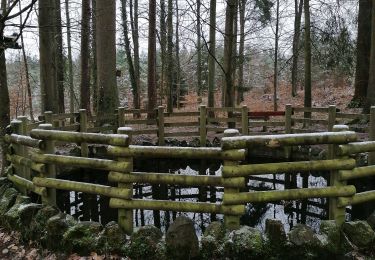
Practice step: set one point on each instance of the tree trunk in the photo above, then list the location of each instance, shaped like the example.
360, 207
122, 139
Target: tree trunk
106, 55
94, 63
59, 57
371, 83
212, 54
170, 57
307, 100
47, 53
296, 40
241, 87
163, 48
363, 53
85, 56
135, 36
199, 50
178, 75
70, 58
27, 76
276, 68
151, 89
127, 48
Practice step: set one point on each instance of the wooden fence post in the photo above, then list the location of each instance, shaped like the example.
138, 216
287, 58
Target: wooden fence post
48, 117
288, 127
231, 222
335, 212
19, 150
160, 122
371, 156
26, 170
203, 125
83, 128
125, 216
121, 117
49, 148
331, 117
245, 120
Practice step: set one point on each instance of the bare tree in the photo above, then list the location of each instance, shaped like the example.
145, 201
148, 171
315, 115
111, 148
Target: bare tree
307, 100
211, 58
152, 59
298, 5
85, 56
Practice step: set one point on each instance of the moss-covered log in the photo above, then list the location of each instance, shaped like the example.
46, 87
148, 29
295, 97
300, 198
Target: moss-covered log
72, 137
358, 198
90, 188
24, 140
183, 180
357, 173
293, 194
272, 141
19, 160
354, 148
29, 185
91, 163
177, 152
288, 167
177, 206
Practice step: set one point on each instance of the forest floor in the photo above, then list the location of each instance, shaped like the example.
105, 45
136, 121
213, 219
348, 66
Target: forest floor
11, 247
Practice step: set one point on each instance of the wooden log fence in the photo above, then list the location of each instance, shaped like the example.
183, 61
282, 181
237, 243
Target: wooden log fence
43, 161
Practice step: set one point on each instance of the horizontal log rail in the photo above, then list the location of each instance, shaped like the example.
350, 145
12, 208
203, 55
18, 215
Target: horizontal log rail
178, 206
72, 137
89, 188
174, 179
19, 160
274, 141
288, 167
24, 140
29, 185
292, 194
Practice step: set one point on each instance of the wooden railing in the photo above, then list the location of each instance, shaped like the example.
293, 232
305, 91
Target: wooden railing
33, 169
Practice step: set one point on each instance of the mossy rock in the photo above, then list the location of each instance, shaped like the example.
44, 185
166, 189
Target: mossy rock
181, 239
359, 233
248, 242
12, 216
144, 243
303, 242
330, 237
82, 238
7, 200
55, 228
212, 241
37, 226
111, 239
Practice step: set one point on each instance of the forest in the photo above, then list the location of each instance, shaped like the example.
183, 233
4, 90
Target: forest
99, 55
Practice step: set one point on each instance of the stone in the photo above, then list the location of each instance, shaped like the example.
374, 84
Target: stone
359, 233
111, 239
11, 217
37, 227
212, 241
247, 241
56, 226
144, 242
302, 235
7, 200
216, 229
371, 220
82, 238
275, 231
182, 241
329, 237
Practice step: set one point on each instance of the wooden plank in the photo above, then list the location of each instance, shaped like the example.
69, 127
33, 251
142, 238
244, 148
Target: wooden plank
181, 134
181, 124
74, 127
265, 123
145, 132
140, 121
181, 114
223, 120
310, 121
310, 109
100, 129
353, 116
224, 109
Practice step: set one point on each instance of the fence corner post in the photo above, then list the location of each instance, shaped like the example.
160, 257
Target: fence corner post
48, 117
49, 148
121, 117
83, 128
203, 125
160, 122
331, 117
245, 120
125, 216
371, 157
335, 212
231, 222
288, 127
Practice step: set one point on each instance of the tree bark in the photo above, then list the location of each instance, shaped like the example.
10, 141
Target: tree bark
170, 57
94, 63
47, 53
85, 56
70, 59
106, 55
371, 83
212, 54
178, 75
296, 41
163, 49
151, 78
276, 67
307, 100
363, 53
199, 50
135, 36
241, 87
59, 57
